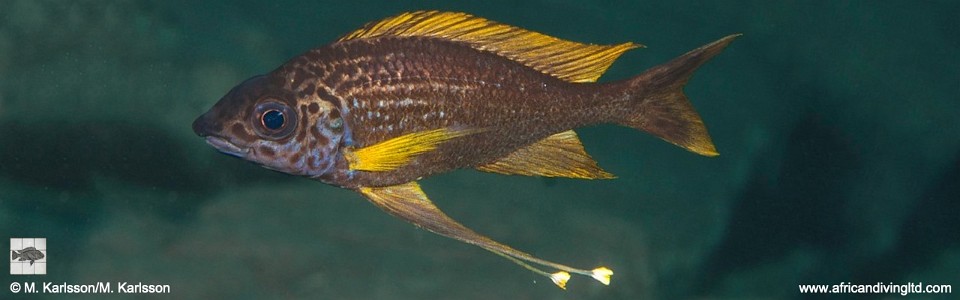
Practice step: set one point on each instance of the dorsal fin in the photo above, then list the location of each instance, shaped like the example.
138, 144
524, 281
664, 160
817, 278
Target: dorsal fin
566, 60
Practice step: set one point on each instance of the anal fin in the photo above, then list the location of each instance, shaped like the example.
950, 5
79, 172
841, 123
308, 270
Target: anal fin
408, 202
559, 155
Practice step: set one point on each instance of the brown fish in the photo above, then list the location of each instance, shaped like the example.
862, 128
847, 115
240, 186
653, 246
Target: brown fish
428, 92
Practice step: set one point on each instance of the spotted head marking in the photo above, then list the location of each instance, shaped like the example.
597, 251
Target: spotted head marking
264, 122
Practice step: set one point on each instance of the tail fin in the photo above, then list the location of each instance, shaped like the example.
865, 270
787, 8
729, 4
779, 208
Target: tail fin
13, 255
664, 111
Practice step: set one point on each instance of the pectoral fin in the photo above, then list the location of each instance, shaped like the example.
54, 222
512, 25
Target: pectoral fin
559, 155
396, 152
407, 201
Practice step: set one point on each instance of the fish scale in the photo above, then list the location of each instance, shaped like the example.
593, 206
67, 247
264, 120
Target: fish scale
468, 86
424, 93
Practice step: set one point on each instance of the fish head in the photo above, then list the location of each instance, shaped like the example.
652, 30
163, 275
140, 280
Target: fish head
263, 122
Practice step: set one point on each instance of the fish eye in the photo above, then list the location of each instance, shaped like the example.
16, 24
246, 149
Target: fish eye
274, 120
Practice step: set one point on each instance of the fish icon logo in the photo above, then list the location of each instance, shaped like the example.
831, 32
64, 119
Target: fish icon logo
28, 253
28, 256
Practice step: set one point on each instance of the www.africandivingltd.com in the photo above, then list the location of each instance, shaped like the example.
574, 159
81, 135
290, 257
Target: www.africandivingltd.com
876, 288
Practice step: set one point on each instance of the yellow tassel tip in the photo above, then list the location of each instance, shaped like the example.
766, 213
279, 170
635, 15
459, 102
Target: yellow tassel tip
560, 279
602, 274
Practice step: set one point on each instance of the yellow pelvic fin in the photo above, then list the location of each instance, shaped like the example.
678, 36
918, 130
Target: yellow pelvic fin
396, 152
559, 155
408, 202
566, 60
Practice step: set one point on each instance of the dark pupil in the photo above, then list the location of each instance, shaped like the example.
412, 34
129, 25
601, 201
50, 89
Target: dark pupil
273, 119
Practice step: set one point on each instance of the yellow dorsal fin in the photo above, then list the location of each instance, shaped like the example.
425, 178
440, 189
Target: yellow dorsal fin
396, 152
566, 60
559, 155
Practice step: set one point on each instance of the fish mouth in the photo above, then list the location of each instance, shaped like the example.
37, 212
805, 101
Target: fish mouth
227, 147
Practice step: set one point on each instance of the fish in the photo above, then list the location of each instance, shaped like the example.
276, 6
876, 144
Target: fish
428, 92
28, 253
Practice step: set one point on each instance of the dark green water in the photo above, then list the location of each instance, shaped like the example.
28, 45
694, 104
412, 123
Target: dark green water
836, 122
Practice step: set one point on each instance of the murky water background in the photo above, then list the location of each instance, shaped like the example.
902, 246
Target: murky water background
836, 123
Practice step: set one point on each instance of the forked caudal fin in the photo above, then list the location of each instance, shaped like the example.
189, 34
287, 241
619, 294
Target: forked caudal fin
664, 111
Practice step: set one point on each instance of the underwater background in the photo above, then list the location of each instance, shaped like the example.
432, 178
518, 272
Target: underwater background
837, 124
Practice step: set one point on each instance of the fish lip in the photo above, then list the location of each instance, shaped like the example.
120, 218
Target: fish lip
227, 147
